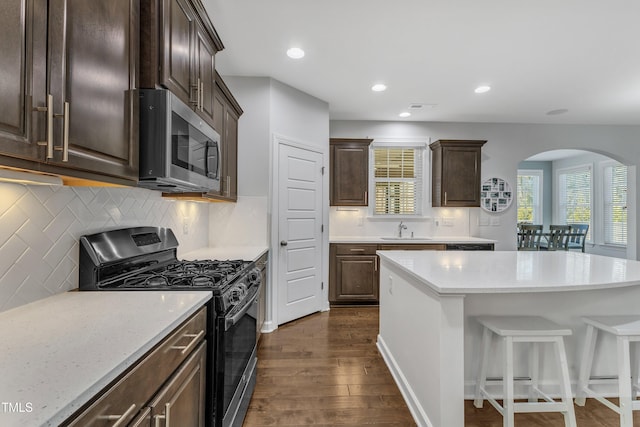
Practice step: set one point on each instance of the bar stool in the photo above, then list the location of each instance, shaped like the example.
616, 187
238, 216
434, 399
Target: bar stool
535, 331
626, 329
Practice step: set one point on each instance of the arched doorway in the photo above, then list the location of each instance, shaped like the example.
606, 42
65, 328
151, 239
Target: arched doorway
578, 186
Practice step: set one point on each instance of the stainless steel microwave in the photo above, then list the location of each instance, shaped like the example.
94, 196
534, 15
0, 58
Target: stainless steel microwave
179, 151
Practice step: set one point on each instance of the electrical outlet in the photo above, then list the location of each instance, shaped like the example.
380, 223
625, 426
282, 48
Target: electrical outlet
360, 221
447, 222
185, 226
495, 221
483, 221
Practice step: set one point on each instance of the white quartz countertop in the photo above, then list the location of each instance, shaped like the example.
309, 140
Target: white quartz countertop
247, 253
58, 352
417, 239
467, 272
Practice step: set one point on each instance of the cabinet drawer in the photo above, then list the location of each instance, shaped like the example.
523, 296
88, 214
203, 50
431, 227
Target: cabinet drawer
356, 249
118, 403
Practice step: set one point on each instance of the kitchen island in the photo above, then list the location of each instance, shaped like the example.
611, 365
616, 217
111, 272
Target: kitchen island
428, 301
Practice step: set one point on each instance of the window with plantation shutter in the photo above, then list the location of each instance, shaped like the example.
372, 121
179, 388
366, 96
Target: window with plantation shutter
615, 204
397, 176
575, 196
530, 196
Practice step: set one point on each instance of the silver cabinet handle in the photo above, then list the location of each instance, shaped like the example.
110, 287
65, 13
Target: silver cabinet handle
201, 90
445, 198
228, 186
186, 348
356, 250
65, 133
165, 417
119, 419
284, 243
48, 142
65, 130
376, 264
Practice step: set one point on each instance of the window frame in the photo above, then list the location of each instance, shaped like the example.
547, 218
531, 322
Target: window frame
538, 210
417, 144
561, 219
606, 191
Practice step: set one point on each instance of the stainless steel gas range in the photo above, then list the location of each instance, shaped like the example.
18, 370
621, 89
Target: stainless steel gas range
145, 258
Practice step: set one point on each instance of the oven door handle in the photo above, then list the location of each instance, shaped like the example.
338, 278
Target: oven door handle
230, 321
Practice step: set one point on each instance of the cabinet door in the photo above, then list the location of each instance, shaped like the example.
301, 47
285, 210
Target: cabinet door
22, 67
178, 18
460, 176
181, 401
230, 154
356, 278
349, 167
93, 54
205, 70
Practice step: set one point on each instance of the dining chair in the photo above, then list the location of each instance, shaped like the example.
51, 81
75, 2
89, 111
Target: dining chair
557, 238
577, 236
529, 237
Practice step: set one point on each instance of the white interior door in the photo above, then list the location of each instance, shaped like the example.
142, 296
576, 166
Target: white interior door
300, 233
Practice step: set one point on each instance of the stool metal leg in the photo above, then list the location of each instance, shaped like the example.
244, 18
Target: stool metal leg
481, 380
624, 382
586, 364
565, 383
534, 367
508, 416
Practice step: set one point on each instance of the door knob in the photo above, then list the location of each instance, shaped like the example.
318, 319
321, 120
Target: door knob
284, 243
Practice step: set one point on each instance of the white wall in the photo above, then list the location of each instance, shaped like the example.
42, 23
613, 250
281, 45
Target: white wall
40, 227
271, 109
507, 145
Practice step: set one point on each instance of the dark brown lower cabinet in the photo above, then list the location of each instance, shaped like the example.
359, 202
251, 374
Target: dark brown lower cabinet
354, 276
166, 387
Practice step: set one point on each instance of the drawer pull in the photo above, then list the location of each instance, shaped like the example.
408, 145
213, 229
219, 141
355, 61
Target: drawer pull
165, 417
120, 419
186, 348
356, 250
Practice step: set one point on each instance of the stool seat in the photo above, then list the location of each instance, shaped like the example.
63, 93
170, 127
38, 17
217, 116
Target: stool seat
522, 326
626, 330
618, 325
534, 331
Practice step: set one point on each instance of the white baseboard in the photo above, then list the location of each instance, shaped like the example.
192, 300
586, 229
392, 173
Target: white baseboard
417, 411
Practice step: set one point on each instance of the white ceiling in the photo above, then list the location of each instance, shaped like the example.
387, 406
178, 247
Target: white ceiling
538, 56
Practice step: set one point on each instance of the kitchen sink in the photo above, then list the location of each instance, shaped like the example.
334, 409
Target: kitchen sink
404, 239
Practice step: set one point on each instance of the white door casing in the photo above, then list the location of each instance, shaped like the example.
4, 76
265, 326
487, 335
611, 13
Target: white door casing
300, 214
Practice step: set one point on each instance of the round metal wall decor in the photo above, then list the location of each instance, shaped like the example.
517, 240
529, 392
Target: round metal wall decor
495, 195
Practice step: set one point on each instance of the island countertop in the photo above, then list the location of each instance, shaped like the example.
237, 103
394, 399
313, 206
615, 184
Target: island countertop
58, 352
454, 272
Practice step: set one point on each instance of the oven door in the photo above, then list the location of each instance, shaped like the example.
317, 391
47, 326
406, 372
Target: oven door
235, 369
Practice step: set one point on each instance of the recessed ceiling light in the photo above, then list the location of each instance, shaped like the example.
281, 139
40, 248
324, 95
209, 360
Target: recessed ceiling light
556, 112
378, 87
404, 114
482, 89
295, 53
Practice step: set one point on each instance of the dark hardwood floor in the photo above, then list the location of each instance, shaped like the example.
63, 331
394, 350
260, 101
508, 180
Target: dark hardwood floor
325, 370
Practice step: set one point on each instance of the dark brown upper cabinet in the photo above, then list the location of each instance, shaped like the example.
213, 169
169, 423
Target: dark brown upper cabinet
227, 112
455, 178
68, 69
349, 171
178, 47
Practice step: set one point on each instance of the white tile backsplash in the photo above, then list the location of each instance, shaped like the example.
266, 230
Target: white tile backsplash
40, 227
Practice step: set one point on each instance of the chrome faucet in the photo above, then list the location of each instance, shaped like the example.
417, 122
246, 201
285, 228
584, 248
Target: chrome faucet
401, 227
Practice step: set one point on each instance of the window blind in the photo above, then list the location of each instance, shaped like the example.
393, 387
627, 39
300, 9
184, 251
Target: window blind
397, 174
574, 196
615, 204
529, 196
